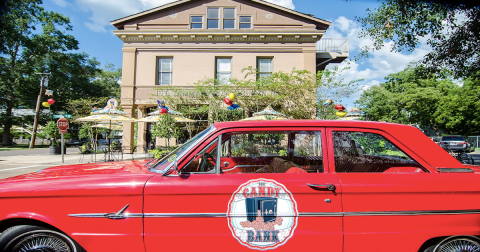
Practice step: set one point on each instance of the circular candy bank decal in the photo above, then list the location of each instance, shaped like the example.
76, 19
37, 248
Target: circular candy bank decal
262, 214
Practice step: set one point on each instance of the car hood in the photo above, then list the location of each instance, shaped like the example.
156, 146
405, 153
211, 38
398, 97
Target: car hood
127, 178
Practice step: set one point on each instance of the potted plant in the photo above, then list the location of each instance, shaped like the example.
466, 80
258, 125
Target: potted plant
51, 131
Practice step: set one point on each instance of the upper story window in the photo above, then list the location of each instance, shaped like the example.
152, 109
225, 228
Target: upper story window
165, 71
196, 22
212, 18
223, 70
264, 66
245, 22
228, 18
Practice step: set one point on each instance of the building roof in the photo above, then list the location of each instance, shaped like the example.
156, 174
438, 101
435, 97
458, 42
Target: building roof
180, 2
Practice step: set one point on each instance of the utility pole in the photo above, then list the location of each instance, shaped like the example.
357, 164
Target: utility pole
43, 82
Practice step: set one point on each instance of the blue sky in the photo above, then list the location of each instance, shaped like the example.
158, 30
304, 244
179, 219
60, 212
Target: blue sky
91, 27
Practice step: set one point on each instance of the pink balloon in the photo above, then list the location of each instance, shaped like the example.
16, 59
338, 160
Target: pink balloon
51, 101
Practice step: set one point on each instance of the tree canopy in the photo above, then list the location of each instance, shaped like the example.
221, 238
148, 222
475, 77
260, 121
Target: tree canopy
452, 29
295, 94
34, 40
413, 96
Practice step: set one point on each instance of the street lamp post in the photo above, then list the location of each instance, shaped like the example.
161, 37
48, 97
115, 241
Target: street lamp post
43, 82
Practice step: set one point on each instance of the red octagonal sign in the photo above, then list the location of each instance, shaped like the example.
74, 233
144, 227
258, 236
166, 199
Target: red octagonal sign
62, 124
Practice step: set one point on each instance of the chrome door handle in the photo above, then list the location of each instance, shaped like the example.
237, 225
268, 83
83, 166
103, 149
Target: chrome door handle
323, 187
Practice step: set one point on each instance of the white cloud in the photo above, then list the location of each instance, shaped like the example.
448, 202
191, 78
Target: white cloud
380, 64
285, 3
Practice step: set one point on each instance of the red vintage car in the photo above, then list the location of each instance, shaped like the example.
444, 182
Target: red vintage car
242, 186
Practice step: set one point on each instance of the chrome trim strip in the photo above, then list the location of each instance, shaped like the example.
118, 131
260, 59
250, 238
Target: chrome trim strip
216, 215
411, 213
305, 214
104, 215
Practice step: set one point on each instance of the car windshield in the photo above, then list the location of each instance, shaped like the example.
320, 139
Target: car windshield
453, 138
165, 162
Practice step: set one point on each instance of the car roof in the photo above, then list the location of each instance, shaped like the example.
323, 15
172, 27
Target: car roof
411, 137
314, 123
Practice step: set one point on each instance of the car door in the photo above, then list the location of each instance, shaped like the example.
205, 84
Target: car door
283, 206
391, 201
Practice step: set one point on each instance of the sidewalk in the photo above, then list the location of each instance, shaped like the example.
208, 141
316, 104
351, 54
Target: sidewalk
26, 161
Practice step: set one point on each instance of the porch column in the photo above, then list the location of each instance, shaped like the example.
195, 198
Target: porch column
128, 129
141, 133
128, 96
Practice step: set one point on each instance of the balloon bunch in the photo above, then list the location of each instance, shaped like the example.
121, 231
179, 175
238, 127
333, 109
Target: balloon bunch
49, 102
94, 109
229, 101
341, 110
162, 108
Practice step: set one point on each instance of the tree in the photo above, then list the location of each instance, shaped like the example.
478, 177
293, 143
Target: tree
107, 80
166, 127
331, 85
415, 96
25, 50
404, 22
293, 94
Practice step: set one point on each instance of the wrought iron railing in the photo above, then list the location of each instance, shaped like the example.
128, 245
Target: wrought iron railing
337, 45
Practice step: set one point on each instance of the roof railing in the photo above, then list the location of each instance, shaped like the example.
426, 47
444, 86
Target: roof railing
337, 45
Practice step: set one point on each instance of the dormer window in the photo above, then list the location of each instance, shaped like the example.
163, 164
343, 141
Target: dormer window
212, 18
196, 22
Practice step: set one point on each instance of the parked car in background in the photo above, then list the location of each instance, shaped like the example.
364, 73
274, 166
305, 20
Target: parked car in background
336, 186
454, 143
75, 142
471, 146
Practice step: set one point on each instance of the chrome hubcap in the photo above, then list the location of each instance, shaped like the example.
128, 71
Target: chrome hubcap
459, 245
42, 243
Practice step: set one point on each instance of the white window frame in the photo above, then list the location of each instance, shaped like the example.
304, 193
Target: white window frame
224, 72
218, 18
234, 17
240, 22
191, 22
258, 65
159, 71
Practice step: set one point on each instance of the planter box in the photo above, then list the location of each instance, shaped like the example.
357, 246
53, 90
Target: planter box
57, 150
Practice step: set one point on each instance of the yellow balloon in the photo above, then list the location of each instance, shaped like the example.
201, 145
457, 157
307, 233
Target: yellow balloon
46, 104
341, 113
231, 96
91, 113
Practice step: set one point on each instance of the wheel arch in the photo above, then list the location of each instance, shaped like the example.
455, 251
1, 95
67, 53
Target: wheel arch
7, 223
441, 239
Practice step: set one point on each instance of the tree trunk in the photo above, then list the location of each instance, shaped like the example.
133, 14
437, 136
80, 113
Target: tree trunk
7, 137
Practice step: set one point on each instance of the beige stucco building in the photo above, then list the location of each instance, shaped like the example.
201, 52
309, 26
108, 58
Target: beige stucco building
185, 41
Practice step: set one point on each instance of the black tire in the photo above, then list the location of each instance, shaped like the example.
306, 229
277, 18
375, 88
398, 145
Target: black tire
457, 244
464, 158
35, 238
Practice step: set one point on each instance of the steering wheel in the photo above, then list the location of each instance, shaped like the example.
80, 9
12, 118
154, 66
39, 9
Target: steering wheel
205, 160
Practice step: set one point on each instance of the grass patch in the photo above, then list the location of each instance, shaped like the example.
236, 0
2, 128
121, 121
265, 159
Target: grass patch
20, 147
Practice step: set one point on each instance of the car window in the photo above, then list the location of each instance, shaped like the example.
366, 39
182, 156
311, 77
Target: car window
369, 152
453, 138
263, 152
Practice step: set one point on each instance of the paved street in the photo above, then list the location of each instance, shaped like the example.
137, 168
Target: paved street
13, 163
